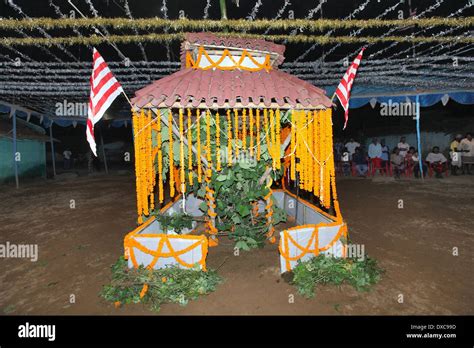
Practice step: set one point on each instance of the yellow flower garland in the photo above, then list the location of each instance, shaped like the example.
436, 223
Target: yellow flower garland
251, 131
208, 137
229, 139
160, 159
278, 138
293, 146
149, 158
244, 129
143, 134
182, 176
316, 167
190, 150
271, 146
236, 132
218, 143
136, 144
171, 162
257, 128
198, 145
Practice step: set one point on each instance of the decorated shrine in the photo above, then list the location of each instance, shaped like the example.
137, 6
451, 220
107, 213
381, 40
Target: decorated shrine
230, 107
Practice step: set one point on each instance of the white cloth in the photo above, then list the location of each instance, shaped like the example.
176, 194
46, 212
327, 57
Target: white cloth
375, 150
435, 157
403, 147
467, 145
351, 146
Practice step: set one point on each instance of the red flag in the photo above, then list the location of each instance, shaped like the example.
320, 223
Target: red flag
343, 91
104, 89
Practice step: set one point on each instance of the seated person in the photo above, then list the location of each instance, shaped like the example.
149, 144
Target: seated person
416, 165
409, 162
375, 154
409, 156
397, 162
360, 161
403, 147
437, 161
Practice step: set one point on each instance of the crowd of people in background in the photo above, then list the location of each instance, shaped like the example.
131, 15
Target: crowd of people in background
351, 156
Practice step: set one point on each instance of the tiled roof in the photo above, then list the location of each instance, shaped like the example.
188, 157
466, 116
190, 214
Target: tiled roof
220, 88
215, 88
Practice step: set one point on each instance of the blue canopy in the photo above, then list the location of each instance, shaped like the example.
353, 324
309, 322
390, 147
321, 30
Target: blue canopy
360, 96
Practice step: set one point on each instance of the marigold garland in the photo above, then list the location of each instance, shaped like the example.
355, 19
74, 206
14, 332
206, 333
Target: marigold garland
269, 214
267, 133
251, 122
244, 129
190, 149
293, 146
136, 145
143, 133
171, 161
229, 139
236, 132
182, 176
311, 159
160, 158
272, 140
198, 145
278, 138
218, 143
149, 154
317, 152
257, 127
208, 138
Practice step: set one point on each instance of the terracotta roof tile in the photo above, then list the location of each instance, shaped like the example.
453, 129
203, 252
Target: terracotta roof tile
219, 88
215, 88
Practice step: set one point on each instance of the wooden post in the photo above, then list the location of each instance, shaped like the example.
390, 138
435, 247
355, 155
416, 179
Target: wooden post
53, 157
103, 152
223, 7
15, 162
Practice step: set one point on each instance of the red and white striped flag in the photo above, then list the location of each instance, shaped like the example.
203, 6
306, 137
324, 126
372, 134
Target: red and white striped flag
104, 89
343, 91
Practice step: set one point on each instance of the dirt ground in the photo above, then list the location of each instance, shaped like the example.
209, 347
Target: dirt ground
77, 246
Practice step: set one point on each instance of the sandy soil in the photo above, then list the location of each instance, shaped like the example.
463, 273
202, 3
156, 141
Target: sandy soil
77, 246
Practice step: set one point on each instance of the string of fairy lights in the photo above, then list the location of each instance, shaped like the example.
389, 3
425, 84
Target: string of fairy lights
434, 55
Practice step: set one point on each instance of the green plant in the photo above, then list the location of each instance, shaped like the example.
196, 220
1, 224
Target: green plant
176, 222
167, 285
237, 190
330, 270
237, 187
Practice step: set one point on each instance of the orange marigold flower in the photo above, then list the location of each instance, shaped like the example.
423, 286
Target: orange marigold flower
144, 290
